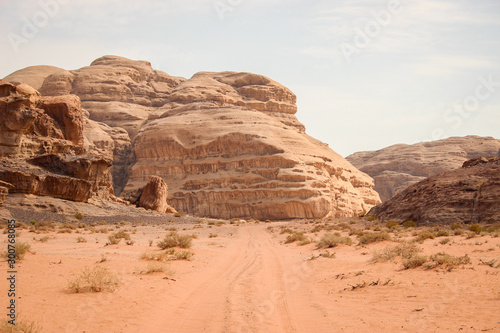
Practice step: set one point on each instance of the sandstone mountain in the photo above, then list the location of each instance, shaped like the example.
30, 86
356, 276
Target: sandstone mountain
470, 194
396, 167
42, 148
227, 144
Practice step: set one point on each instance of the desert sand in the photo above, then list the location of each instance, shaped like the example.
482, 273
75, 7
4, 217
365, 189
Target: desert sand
244, 277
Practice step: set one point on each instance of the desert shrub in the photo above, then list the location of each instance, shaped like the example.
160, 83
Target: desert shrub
79, 216
286, 231
155, 267
20, 249
493, 228
67, 225
332, 240
455, 226
175, 240
405, 250
44, 226
20, 326
372, 237
458, 232
449, 261
184, 255
414, 261
212, 235
444, 241
21, 225
317, 228
118, 236
372, 217
305, 241
391, 224
440, 232
97, 279
425, 234
356, 232
81, 225
44, 239
65, 231
81, 240
409, 224
475, 228
296, 236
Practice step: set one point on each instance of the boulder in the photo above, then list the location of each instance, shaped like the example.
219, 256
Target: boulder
470, 194
154, 196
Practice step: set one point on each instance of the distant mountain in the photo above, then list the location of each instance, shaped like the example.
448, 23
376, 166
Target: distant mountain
396, 167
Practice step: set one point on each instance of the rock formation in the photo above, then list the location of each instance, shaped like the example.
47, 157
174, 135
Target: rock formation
4, 191
470, 194
227, 144
154, 196
42, 146
397, 167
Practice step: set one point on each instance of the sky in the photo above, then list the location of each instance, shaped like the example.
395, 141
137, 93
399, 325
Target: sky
367, 73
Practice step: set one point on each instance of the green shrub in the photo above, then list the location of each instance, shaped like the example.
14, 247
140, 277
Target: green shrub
391, 224
409, 224
79, 216
372, 237
475, 228
332, 240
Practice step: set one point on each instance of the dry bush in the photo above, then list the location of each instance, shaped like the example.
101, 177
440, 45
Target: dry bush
41, 227
79, 216
184, 255
449, 261
391, 224
294, 237
97, 279
332, 240
372, 237
286, 231
20, 249
155, 267
20, 326
425, 234
44, 239
405, 250
81, 240
444, 241
118, 236
414, 261
175, 240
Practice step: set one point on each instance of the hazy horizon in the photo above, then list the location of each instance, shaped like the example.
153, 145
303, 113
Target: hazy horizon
367, 74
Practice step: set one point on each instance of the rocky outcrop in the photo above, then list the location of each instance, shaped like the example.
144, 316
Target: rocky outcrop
397, 167
42, 146
154, 196
227, 144
470, 194
4, 191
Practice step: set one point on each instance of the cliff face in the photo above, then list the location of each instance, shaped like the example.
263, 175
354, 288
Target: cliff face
227, 144
42, 147
470, 194
397, 167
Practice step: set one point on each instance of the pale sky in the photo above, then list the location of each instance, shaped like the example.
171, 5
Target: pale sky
367, 73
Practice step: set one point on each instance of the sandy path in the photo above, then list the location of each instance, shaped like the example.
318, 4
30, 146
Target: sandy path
256, 285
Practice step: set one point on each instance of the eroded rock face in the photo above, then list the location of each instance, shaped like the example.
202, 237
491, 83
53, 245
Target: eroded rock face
4, 191
470, 194
41, 146
397, 167
227, 144
154, 196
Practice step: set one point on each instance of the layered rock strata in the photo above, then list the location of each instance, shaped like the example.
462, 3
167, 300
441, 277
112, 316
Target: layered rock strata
470, 194
397, 167
227, 144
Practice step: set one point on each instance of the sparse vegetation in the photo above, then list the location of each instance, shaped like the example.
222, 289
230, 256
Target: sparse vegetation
425, 234
476, 228
332, 240
409, 224
20, 249
448, 261
97, 279
405, 250
174, 239
294, 237
118, 236
21, 326
81, 240
414, 261
372, 237
391, 224
79, 216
